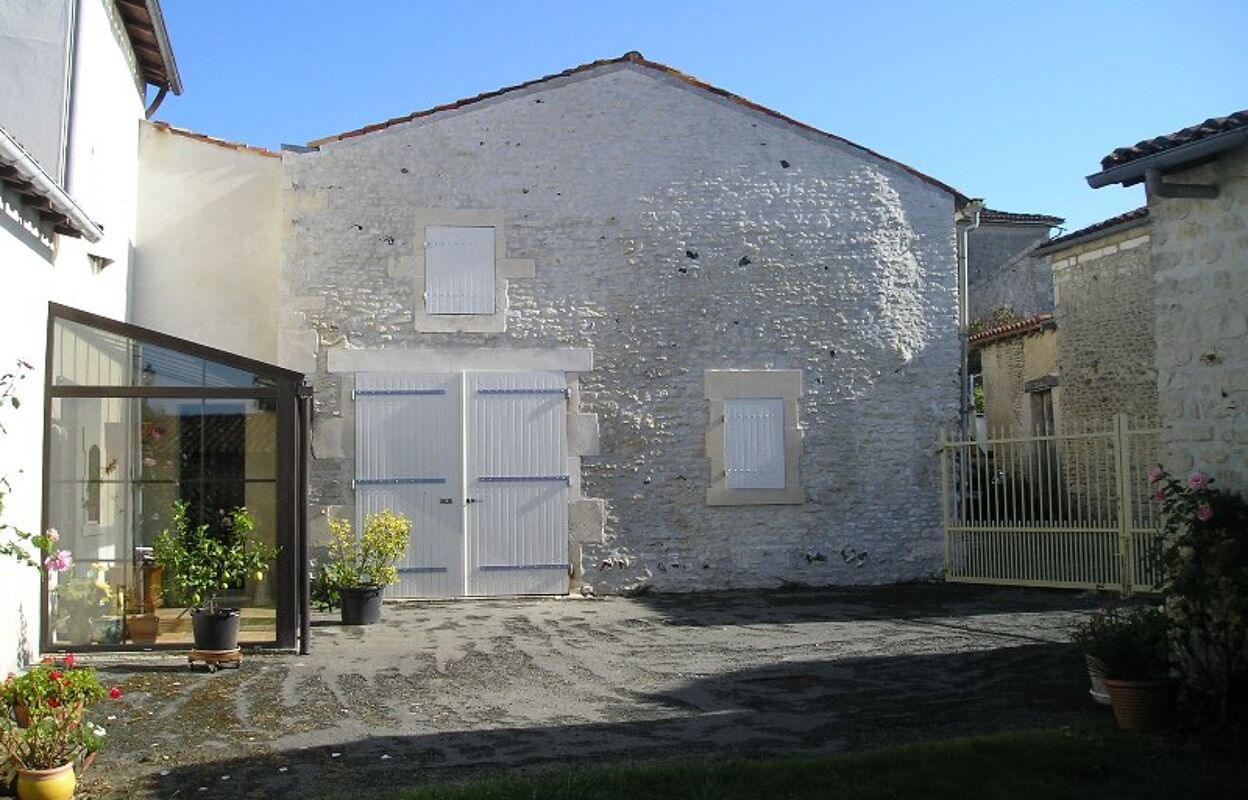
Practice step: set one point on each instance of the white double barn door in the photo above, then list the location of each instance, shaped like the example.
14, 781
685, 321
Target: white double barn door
478, 462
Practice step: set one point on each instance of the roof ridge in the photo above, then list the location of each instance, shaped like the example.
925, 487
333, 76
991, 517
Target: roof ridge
213, 140
635, 57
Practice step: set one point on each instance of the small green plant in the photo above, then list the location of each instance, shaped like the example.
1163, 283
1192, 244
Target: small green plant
325, 592
370, 559
1131, 642
202, 564
994, 319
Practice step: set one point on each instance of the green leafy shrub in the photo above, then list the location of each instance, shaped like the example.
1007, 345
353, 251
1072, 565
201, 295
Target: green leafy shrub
1204, 554
1131, 642
202, 564
370, 559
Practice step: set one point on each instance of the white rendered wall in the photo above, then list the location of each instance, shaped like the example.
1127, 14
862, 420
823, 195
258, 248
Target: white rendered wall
833, 262
41, 268
208, 240
34, 60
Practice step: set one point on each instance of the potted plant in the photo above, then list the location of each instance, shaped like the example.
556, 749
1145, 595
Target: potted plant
1088, 634
203, 563
1132, 645
88, 608
362, 567
54, 735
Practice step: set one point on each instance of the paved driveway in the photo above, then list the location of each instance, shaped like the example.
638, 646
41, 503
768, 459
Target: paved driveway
440, 691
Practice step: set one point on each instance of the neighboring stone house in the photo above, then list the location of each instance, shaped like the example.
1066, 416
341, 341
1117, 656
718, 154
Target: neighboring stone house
753, 323
1196, 182
1005, 273
1019, 374
1090, 358
1103, 293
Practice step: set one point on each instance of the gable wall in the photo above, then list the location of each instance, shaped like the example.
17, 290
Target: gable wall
606, 183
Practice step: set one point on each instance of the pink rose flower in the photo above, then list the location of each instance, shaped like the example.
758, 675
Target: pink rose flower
1159, 495
53, 535
1155, 474
60, 562
1204, 513
1197, 481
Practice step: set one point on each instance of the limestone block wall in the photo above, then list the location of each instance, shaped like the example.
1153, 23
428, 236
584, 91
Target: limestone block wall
1200, 262
671, 231
1105, 329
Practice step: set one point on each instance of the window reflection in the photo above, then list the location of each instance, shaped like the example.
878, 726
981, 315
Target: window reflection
116, 466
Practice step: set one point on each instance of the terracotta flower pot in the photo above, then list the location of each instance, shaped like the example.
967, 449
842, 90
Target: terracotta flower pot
143, 628
1142, 705
47, 784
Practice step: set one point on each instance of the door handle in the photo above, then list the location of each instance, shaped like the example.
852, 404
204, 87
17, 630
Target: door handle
446, 501
470, 500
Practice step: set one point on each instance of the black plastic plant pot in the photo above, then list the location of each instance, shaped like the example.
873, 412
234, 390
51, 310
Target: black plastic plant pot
215, 630
361, 605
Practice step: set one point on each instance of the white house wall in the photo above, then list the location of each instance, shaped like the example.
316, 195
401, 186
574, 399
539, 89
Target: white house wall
208, 211
672, 232
41, 267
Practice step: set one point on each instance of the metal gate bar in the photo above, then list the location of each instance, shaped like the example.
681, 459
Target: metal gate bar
1068, 510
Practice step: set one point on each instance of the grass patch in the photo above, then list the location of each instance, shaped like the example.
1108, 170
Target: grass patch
1075, 763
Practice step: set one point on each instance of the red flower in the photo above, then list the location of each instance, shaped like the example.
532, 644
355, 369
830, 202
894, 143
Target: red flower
70, 660
54, 675
54, 702
115, 692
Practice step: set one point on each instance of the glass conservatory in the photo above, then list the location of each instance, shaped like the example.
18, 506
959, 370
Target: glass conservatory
137, 422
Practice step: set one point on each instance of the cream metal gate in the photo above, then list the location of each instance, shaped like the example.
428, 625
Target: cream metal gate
478, 462
1068, 510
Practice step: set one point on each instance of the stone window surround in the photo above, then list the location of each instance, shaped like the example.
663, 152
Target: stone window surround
505, 269
732, 384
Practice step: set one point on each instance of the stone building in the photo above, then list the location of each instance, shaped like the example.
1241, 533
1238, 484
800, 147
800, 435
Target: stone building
751, 324
1019, 374
1196, 182
1005, 271
1103, 318
1091, 357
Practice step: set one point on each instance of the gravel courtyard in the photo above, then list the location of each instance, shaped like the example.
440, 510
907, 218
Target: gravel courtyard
443, 691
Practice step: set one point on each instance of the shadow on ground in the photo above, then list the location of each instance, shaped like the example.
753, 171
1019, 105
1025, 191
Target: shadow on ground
804, 708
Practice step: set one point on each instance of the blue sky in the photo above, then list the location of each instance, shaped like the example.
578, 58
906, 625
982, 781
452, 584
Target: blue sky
1011, 101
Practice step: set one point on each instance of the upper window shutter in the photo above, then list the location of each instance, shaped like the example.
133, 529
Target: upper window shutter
459, 270
754, 443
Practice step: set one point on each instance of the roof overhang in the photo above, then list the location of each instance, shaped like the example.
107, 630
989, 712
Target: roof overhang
145, 27
19, 171
1133, 172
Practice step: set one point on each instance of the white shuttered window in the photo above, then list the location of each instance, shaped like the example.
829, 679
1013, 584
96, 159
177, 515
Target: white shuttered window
459, 270
754, 443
